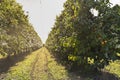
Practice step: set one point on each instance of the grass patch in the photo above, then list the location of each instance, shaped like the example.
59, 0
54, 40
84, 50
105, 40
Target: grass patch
1, 56
114, 68
21, 70
56, 70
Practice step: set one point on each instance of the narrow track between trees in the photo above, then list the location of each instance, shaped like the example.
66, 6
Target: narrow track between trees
45, 67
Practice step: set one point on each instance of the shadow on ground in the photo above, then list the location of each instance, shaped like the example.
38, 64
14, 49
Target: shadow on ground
6, 63
100, 76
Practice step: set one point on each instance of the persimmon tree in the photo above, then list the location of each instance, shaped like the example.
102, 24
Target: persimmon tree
82, 39
17, 35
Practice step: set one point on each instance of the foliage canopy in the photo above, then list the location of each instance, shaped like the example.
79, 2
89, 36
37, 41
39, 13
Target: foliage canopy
79, 38
16, 33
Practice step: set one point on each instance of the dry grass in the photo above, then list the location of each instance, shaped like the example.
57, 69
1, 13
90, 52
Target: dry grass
47, 68
21, 70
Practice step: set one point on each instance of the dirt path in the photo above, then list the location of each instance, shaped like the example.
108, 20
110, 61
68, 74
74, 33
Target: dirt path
46, 68
40, 69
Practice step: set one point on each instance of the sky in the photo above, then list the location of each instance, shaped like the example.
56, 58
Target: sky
42, 14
